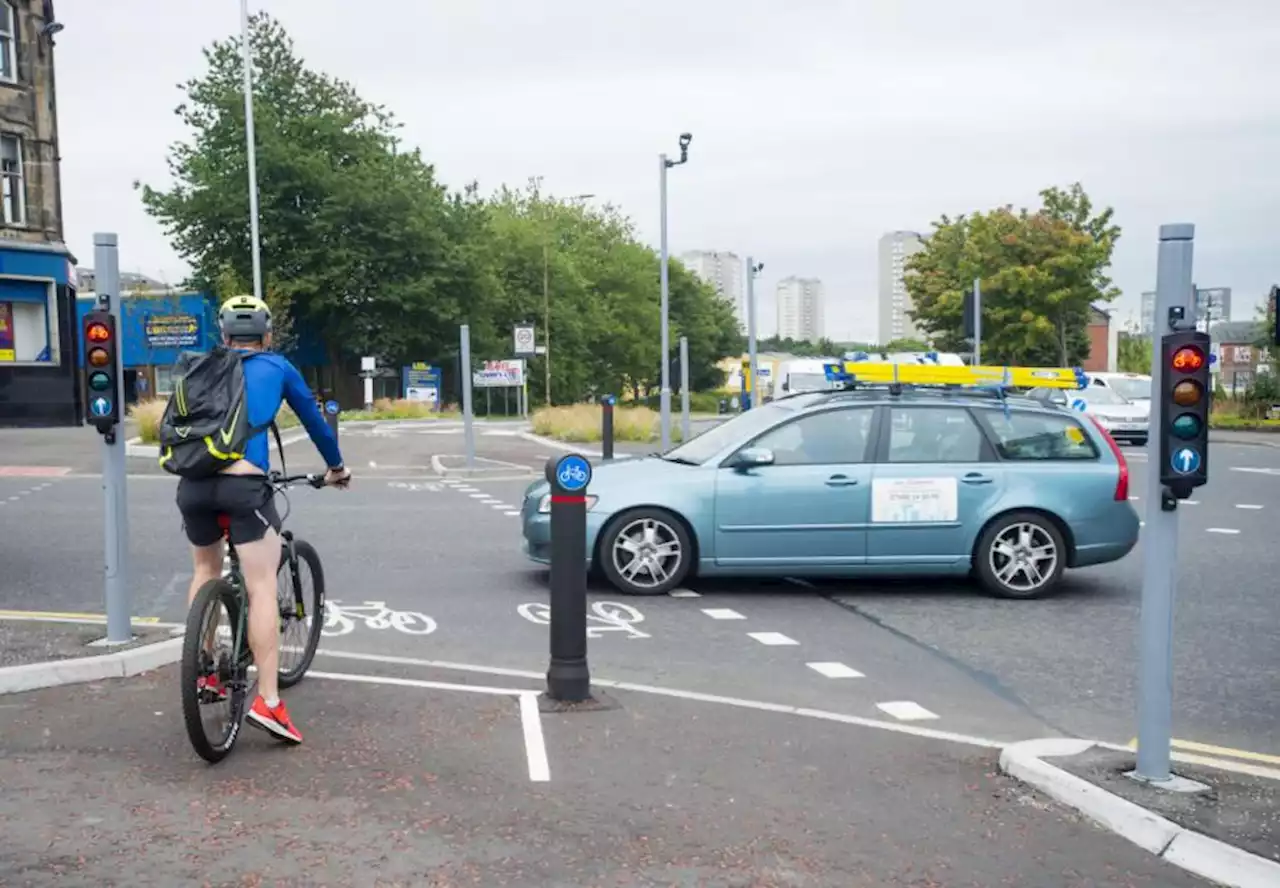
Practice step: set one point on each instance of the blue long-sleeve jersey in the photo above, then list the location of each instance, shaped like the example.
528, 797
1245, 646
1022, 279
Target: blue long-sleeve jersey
271, 380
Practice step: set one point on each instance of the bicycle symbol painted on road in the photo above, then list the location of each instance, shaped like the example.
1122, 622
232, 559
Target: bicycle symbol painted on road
341, 620
606, 616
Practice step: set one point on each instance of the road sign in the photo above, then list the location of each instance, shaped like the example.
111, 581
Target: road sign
1186, 461
368, 363
525, 339
573, 472
499, 374
1080, 404
100, 407
331, 408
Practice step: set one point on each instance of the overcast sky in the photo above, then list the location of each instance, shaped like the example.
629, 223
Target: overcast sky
818, 124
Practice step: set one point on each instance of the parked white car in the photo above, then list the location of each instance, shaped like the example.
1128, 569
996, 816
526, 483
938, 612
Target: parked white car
1127, 421
1134, 387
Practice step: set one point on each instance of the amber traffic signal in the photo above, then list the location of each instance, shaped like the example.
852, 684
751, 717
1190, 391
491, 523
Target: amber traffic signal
101, 380
1186, 391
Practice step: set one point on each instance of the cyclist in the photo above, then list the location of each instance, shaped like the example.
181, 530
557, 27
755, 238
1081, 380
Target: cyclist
242, 492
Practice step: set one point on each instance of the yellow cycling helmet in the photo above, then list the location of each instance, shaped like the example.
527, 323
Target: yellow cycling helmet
245, 316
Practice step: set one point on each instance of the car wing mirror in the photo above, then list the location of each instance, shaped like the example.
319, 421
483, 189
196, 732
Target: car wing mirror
753, 457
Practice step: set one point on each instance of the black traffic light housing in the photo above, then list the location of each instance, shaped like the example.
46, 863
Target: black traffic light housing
1186, 394
970, 316
101, 373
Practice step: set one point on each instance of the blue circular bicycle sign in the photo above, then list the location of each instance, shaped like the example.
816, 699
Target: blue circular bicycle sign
573, 472
331, 407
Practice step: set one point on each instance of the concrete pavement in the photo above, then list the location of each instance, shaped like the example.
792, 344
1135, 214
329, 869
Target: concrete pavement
434, 779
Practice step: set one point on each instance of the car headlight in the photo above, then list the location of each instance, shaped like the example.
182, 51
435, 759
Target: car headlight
544, 504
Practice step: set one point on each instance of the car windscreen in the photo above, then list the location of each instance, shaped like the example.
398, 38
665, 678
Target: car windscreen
1097, 395
1133, 389
743, 427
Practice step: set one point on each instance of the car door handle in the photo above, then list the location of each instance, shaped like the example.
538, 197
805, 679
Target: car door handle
841, 481
976, 478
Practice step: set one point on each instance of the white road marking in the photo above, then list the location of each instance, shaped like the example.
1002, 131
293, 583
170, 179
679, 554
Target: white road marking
1191, 502
501, 507
535, 745
684, 593
835, 670
1220, 530
1256, 471
772, 638
1247, 506
722, 613
512, 513
479, 495
675, 693
906, 710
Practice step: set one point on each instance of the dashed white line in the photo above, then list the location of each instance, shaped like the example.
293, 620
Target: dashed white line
772, 638
501, 507
1191, 502
835, 670
514, 513
1220, 530
480, 496
684, 593
905, 710
1247, 506
722, 613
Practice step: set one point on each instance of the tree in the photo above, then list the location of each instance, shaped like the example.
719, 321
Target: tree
1040, 273
1133, 353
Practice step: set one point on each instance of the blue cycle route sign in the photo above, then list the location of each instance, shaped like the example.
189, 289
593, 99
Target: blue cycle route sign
100, 407
1080, 404
1185, 461
573, 472
331, 408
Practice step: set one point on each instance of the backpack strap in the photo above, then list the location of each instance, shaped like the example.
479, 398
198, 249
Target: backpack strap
275, 431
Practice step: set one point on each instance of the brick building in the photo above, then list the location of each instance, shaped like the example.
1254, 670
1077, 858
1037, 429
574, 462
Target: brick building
1102, 342
1236, 344
39, 379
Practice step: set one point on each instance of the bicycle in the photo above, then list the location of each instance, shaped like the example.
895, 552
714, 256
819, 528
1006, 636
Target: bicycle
231, 667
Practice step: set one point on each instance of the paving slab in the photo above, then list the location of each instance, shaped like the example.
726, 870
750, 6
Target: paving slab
419, 784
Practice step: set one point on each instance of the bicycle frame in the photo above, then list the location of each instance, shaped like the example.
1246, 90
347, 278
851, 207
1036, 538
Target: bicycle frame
241, 653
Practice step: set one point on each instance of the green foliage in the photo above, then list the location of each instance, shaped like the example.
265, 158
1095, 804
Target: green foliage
1133, 353
366, 250
1040, 272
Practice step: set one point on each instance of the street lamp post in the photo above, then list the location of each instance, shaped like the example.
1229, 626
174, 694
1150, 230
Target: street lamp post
665, 164
251, 148
546, 304
753, 269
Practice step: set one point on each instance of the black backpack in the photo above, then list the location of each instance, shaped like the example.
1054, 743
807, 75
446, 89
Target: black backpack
205, 426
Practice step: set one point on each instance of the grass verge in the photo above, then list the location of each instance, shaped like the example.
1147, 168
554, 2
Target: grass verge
581, 423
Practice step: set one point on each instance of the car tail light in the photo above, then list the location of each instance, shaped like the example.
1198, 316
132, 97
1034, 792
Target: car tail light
1122, 483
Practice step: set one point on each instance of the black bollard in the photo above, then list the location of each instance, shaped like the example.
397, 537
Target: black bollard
606, 426
568, 679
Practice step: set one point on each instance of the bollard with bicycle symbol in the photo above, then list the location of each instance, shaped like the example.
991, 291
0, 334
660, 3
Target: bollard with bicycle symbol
568, 678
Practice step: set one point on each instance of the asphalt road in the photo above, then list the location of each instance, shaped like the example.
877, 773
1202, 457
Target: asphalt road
402, 782
419, 536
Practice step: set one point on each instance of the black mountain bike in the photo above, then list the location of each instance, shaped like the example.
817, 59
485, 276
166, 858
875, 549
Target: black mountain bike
223, 655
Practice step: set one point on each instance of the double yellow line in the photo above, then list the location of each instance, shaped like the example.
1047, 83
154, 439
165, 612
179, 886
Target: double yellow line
1263, 764
65, 617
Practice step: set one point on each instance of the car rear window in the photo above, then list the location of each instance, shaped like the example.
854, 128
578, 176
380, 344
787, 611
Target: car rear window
1023, 435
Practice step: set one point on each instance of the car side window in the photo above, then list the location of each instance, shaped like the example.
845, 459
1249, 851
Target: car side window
933, 435
830, 437
1038, 436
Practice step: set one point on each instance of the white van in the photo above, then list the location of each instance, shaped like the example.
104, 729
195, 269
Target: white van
1134, 387
801, 375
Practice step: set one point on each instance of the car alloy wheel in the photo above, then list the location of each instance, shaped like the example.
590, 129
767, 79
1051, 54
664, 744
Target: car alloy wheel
1022, 555
646, 552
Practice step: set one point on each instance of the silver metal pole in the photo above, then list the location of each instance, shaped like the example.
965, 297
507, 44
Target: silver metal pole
977, 321
686, 425
665, 392
106, 264
754, 363
468, 429
1160, 536
251, 149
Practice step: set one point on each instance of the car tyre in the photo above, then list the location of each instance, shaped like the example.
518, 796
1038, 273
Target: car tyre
653, 531
1025, 535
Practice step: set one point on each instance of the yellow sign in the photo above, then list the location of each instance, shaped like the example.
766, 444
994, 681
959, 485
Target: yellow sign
8, 354
936, 374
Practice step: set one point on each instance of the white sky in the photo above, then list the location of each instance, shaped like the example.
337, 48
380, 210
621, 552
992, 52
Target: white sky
818, 124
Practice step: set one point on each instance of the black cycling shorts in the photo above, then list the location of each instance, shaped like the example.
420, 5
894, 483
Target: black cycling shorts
247, 501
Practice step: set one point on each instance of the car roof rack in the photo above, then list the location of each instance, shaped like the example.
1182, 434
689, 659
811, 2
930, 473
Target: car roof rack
983, 381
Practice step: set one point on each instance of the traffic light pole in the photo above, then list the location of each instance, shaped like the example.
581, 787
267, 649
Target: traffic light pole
1160, 536
106, 266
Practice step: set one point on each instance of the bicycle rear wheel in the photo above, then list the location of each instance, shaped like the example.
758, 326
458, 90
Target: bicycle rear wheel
299, 613
199, 664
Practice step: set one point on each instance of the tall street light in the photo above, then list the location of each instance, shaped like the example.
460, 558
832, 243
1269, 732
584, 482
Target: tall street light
251, 148
546, 302
665, 164
753, 270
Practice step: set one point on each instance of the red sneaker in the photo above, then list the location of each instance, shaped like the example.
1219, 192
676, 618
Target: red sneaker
211, 690
274, 721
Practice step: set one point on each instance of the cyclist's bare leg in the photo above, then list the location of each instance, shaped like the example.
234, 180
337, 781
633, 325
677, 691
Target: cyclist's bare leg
259, 562
206, 565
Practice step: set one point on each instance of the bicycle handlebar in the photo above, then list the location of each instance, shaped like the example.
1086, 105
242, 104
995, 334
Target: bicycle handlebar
316, 480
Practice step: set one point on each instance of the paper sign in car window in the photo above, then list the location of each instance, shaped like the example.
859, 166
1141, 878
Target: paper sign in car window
1074, 435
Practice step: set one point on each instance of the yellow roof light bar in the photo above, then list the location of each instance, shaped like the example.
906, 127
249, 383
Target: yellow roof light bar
936, 374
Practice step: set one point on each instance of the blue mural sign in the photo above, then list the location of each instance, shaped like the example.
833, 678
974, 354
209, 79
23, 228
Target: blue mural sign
573, 472
421, 382
171, 330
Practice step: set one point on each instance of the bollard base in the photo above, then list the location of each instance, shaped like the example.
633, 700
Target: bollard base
596, 701
569, 681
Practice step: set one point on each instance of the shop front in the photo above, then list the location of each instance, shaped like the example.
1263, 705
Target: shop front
39, 361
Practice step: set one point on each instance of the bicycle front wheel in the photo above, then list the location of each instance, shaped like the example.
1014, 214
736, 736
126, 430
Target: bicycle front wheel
300, 594
213, 683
